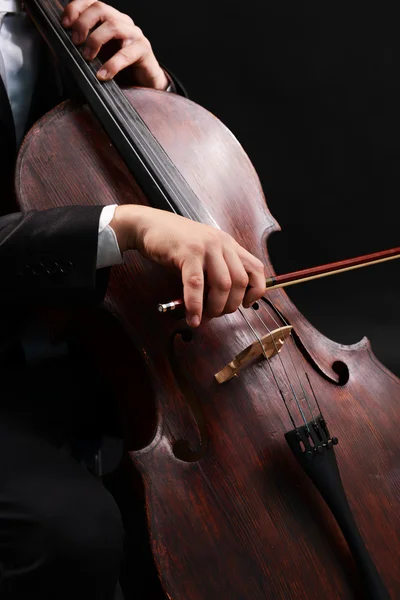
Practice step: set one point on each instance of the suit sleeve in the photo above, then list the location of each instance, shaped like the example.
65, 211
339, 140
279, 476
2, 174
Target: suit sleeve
49, 257
177, 85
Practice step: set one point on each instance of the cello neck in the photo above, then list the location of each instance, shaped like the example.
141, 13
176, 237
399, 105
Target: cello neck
162, 183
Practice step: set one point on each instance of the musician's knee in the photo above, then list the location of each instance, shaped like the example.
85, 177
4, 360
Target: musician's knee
82, 528
69, 534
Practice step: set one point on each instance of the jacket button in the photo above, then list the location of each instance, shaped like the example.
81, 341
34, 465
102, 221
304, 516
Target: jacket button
52, 269
38, 269
26, 271
65, 266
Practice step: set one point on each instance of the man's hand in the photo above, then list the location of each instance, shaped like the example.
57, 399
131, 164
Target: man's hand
93, 24
198, 251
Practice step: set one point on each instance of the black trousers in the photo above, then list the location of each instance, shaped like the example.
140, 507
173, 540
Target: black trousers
61, 532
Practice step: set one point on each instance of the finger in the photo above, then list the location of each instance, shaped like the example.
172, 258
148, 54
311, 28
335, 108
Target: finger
104, 33
240, 281
74, 9
130, 54
90, 17
219, 283
256, 274
193, 290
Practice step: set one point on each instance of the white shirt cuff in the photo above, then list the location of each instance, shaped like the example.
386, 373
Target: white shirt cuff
108, 252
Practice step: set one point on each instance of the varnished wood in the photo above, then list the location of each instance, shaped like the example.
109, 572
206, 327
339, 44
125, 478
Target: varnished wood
230, 516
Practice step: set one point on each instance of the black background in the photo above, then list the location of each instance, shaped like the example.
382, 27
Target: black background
312, 92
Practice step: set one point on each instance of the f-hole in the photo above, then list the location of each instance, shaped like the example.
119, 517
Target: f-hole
339, 367
181, 448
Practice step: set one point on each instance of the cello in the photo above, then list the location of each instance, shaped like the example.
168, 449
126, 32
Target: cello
278, 481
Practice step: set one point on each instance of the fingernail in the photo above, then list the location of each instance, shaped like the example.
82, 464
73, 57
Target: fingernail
87, 52
193, 321
103, 73
65, 21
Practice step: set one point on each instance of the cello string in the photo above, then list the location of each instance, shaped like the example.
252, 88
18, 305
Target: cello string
305, 394
254, 331
306, 397
271, 367
284, 368
272, 371
312, 389
269, 271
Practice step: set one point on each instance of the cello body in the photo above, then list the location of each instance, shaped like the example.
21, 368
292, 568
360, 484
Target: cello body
230, 513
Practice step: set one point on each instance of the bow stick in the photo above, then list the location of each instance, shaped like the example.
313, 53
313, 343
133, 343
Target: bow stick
280, 281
